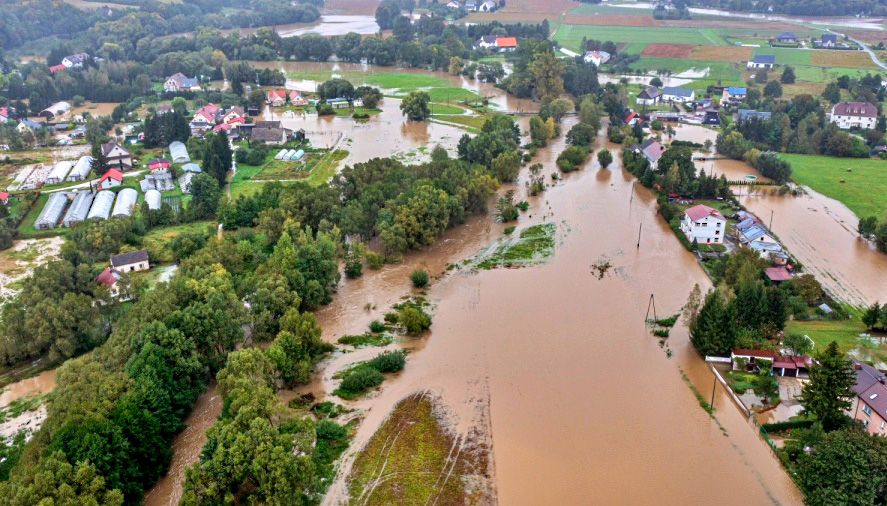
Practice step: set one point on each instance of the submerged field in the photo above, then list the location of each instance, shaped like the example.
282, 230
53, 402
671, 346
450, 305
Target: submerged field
864, 186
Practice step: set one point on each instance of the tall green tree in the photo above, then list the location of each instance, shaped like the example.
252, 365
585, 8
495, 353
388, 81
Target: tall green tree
829, 392
846, 467
713, 331
415, 106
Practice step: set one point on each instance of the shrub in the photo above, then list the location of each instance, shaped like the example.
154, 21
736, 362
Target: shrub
414, 320
360, 115
419, 278
509, 230
374, 260
660, 332
389, 361
377, 326
353, 268
360, 379
523, 205
391, 317
571, 158
330, 431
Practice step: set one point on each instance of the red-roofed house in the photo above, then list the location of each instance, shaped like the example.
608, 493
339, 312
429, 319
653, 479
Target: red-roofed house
297, 99
791, 366
276, 98
204, 118
777, 274
158, 164
110, 179
631, 118
56, 68
704, 225
4, 197
108, 277
4, 114
226, 127
506, 43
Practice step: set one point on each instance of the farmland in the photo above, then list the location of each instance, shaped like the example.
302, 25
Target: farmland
864, 189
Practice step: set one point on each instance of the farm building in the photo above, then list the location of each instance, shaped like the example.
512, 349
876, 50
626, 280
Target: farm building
152, 197
126, 200
179, 152
762, 61
191, 167
56, 109
650, 96
128, 262
101, 205
746, 114
787, 38
52, 211
59, 172
79, 208
81, 169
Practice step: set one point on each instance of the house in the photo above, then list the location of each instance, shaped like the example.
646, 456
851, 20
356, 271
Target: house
632, 118
711, 117
787, 38
117, 155
651, 149
108, 278
704, 225
110, 179
869, 406
777, 274
750, 358
791, 366
4, 114
272, 136
4, 197
338, 103
747, 114
130, 262
734, 94
762, 61
454, 5
829, 40
56, 68
506, 44
487, 6
854, 115
75, 60
650, 96
159, 164
204, 118
470, 5
755, 232
596, 57
485, 42
276, 98
179, 82
27, 124
297, 99
56, 109
680, 95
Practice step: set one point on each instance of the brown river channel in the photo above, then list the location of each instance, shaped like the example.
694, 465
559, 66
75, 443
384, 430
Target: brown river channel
580, 402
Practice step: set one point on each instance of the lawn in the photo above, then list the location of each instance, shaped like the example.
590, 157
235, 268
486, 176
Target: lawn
26, 229
471, 123
445, 109
864, 190
157, 240
844, 332
785, 56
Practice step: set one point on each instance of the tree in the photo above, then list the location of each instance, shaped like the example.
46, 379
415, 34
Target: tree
369, 95
419, 278
559, 107
581, 134
547, 72
217, 156
829, 392
403, 29
713, 331
99, 164
456, 65
773, 89
799, 345
180, 106
205, 196
845, 467
415, 106
871, 315
832, 93
336, 88
656, 82
590, 113
506, 166
604, 157
788, 75
808, 288
760, 76
539, 132
867, 226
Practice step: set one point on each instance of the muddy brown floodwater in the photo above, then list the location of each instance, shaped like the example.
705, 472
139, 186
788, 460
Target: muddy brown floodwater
39, 384
583, 402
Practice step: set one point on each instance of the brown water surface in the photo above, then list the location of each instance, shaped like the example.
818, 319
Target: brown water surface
39, 384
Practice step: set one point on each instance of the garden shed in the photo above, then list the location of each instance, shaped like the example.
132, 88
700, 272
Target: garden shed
79, 208
101, 205
126, 200
52, 211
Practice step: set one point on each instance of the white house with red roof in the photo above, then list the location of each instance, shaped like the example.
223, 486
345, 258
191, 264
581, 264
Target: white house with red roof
596, 57
506, 44
704, 225
4, 197
4, 114
276, 98
297, 99
110, 179
204, 118
854, 115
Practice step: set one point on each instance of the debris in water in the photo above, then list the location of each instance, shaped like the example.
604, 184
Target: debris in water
600, 268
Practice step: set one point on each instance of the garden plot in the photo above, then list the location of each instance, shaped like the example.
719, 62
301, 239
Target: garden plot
532, 246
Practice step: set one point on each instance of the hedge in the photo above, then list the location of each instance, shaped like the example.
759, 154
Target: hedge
791, 424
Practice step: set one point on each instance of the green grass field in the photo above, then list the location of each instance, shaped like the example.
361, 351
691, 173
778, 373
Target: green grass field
611, 10
844, 332
570, 36
864, 190
634, 47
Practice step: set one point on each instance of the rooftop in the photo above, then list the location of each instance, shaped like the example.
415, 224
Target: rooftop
129, 258
777, 274
700, 211
764, 58
677, 92
861, 109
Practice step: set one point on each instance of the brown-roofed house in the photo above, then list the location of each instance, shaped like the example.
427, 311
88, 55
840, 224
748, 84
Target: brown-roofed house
130, 262
869, 407
273, 136
849, 115
118, 156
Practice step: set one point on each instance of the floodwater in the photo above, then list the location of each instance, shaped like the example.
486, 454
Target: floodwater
582, 399
733, 170
335, 25
186, 449
388, 132
39, 384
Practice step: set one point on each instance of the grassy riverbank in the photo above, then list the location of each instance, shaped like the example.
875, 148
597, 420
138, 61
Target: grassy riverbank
863, 190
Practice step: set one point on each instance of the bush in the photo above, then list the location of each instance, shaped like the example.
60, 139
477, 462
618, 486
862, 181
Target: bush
414, 320
374, 260
392, 317
419, 278
325, 110
360, 379
353, 268
389, 361
509, 230
377, 326
523, 205
790, 424
571, 158
331, 431
660, 332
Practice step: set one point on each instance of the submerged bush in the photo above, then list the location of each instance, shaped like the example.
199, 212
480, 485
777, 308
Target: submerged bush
361, 379
389, 361
419, 278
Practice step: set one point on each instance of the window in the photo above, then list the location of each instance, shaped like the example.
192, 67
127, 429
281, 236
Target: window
718, 224
865, 423
717, 232
867, 410
883, 424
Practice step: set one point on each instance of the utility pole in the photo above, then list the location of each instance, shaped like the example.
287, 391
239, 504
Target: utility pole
713, 385
639, 235
650, 304
771, 220
631, 199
